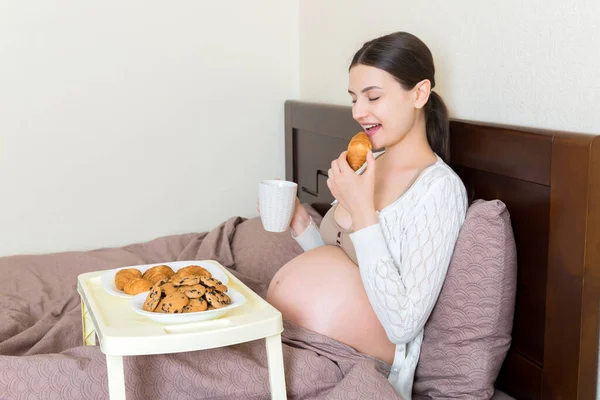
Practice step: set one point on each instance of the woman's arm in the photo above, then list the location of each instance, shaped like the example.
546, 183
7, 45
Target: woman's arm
304, 229
403, 295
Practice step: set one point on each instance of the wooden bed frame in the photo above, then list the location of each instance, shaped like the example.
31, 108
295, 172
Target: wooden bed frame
550, 182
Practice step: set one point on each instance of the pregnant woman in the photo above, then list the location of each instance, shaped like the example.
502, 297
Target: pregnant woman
371, 274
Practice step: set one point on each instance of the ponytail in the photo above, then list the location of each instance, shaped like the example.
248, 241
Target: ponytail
437, 126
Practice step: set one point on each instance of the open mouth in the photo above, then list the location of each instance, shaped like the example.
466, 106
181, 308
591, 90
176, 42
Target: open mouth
372, 129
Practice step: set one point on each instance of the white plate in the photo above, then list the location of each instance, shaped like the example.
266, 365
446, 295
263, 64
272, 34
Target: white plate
137, 303
108, 278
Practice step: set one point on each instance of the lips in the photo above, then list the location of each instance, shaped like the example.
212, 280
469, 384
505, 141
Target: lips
371, 130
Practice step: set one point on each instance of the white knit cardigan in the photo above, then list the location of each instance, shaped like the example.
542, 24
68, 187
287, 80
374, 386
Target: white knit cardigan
404, 258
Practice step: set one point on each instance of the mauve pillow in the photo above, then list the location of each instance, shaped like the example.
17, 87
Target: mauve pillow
259, 254
469, 331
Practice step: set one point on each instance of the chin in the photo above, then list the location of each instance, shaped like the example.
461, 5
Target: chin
377, 144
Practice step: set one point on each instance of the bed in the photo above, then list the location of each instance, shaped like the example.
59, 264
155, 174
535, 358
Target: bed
549, 181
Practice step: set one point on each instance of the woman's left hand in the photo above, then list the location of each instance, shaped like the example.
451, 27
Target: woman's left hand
356, 193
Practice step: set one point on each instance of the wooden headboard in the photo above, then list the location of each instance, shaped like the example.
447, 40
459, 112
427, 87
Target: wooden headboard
550, 182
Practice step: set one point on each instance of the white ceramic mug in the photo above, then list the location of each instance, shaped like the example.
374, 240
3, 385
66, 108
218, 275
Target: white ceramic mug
277, 200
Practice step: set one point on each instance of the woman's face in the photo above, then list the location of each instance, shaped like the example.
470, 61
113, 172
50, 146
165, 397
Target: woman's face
381, 106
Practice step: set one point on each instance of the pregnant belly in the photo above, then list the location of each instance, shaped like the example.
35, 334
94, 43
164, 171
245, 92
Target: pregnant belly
322, 290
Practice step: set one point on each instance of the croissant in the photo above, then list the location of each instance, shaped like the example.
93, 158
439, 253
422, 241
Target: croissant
125, 275
358, 148
156, 278
164, 269
194, 270
136, 286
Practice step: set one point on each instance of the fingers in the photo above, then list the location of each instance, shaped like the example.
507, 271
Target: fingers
342, 162
330, 186
370, 163
334, 166
297, 205
340, 165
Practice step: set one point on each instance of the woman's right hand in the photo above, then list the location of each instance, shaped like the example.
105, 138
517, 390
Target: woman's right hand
300, 219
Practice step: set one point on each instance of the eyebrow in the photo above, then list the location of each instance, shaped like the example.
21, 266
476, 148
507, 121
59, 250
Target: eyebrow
365, 89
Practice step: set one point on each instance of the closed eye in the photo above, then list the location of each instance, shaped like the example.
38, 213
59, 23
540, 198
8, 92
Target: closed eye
370, 99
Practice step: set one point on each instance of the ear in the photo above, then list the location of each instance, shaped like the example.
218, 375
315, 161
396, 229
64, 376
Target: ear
422, 91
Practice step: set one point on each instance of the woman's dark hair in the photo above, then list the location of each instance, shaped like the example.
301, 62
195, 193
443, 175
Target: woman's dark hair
409, 60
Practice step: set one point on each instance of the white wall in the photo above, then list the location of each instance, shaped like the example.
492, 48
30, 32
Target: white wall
117, 116
121, 121
533, 63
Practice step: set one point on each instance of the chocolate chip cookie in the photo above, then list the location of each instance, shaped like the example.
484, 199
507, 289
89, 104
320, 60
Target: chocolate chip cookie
168, 288
153, 298
193, 292
218, 299
185, 280
174, 303
213, 283
196, 305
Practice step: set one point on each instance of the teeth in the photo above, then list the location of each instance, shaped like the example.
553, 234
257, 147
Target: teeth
369, 126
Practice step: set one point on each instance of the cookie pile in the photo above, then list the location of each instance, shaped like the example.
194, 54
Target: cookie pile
191, 289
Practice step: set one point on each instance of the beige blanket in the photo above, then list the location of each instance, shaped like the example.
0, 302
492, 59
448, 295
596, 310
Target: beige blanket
42, 357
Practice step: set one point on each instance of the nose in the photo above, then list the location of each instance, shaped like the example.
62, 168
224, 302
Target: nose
359, 110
